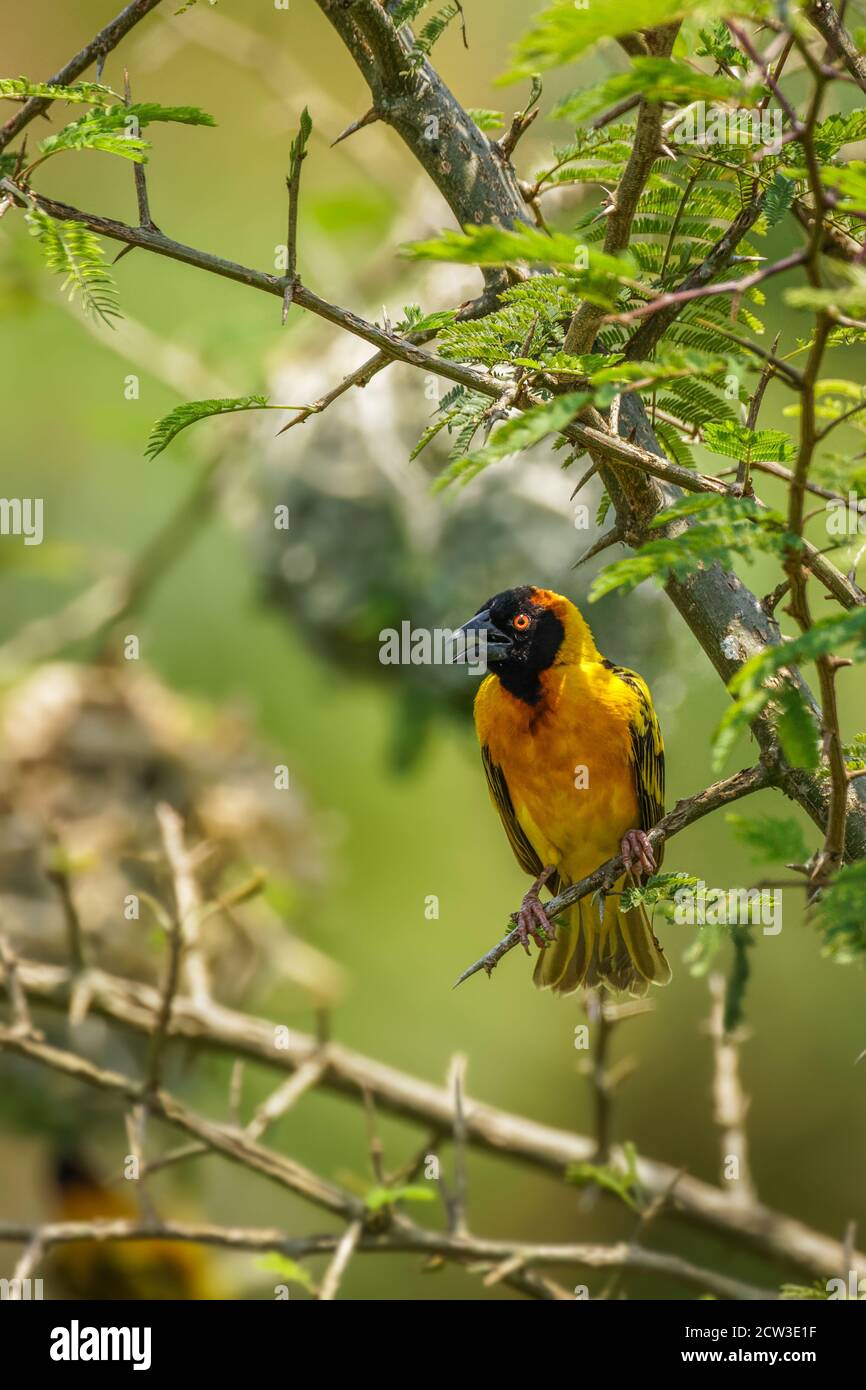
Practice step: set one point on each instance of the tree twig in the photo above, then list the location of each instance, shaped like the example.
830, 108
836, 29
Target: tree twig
135, 1006
412, 1240
731, 1105
93, 52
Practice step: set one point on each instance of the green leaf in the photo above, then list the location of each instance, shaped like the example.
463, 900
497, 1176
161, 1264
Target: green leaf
431, 432
855, 752
797, 730
415, 321
658, 889
676, 448
623, 1183
92, 133
521, 432
605, 502
379, 1197
748, 446
768, 837
700, 956
727, 527
718, 45
841, 914
564, 31
804, 1292
490, 245
848, 297
849, 180
778, 199
656, 79
484, 118
166, 429
837, 130
298, 147
407, 11
87, 93
71, 250
289, 1270
152, 112
114, 130
431, 33
750, 686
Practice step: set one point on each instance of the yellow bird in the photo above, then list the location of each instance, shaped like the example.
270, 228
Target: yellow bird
122, 1270
575, 766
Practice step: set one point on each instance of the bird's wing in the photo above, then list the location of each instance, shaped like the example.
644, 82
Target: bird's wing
525, 854
647, 750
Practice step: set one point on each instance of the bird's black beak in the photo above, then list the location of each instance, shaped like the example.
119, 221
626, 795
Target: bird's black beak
481, 640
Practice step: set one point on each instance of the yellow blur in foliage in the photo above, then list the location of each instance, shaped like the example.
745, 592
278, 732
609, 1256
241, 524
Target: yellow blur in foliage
123, 1270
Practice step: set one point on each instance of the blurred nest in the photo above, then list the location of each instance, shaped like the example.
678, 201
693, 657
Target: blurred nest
87, 755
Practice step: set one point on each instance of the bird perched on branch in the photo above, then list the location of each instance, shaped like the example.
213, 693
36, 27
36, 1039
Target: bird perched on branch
575, 766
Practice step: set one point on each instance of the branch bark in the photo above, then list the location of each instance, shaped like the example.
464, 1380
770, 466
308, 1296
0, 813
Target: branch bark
415, 1240
135, 1007
826, 20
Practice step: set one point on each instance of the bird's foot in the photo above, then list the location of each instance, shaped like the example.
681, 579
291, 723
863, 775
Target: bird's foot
532, 920
637, 853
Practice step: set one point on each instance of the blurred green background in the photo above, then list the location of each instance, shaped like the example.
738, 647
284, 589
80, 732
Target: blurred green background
71, 436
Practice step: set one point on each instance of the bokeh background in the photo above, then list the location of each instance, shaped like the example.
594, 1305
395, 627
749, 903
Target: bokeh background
280, 635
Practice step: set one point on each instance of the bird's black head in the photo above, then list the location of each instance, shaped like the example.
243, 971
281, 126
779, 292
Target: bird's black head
70, 1170
523, 630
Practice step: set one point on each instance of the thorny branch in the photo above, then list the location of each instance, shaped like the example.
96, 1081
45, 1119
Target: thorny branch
93, 52
136, 1007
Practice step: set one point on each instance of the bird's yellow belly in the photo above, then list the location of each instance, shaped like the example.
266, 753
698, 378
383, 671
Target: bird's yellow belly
573, 789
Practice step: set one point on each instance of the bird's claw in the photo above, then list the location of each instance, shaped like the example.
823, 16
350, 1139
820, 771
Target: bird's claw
637, 852
533, 921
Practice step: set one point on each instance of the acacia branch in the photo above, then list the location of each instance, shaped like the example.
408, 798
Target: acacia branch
675, 299
648, 334
231, 1143
412, 1240
645, 150
93, 52
824, 16
392, 345
135, 1007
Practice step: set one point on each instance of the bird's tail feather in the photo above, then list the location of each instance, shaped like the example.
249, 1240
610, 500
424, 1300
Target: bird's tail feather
621, 951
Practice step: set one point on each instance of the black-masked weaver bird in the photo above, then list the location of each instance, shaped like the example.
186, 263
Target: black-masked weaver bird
121, 1270
575, 766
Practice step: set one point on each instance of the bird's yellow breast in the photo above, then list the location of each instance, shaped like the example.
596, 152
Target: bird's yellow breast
567, 761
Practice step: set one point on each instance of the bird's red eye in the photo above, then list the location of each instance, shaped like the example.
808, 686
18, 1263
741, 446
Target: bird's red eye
521, 622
